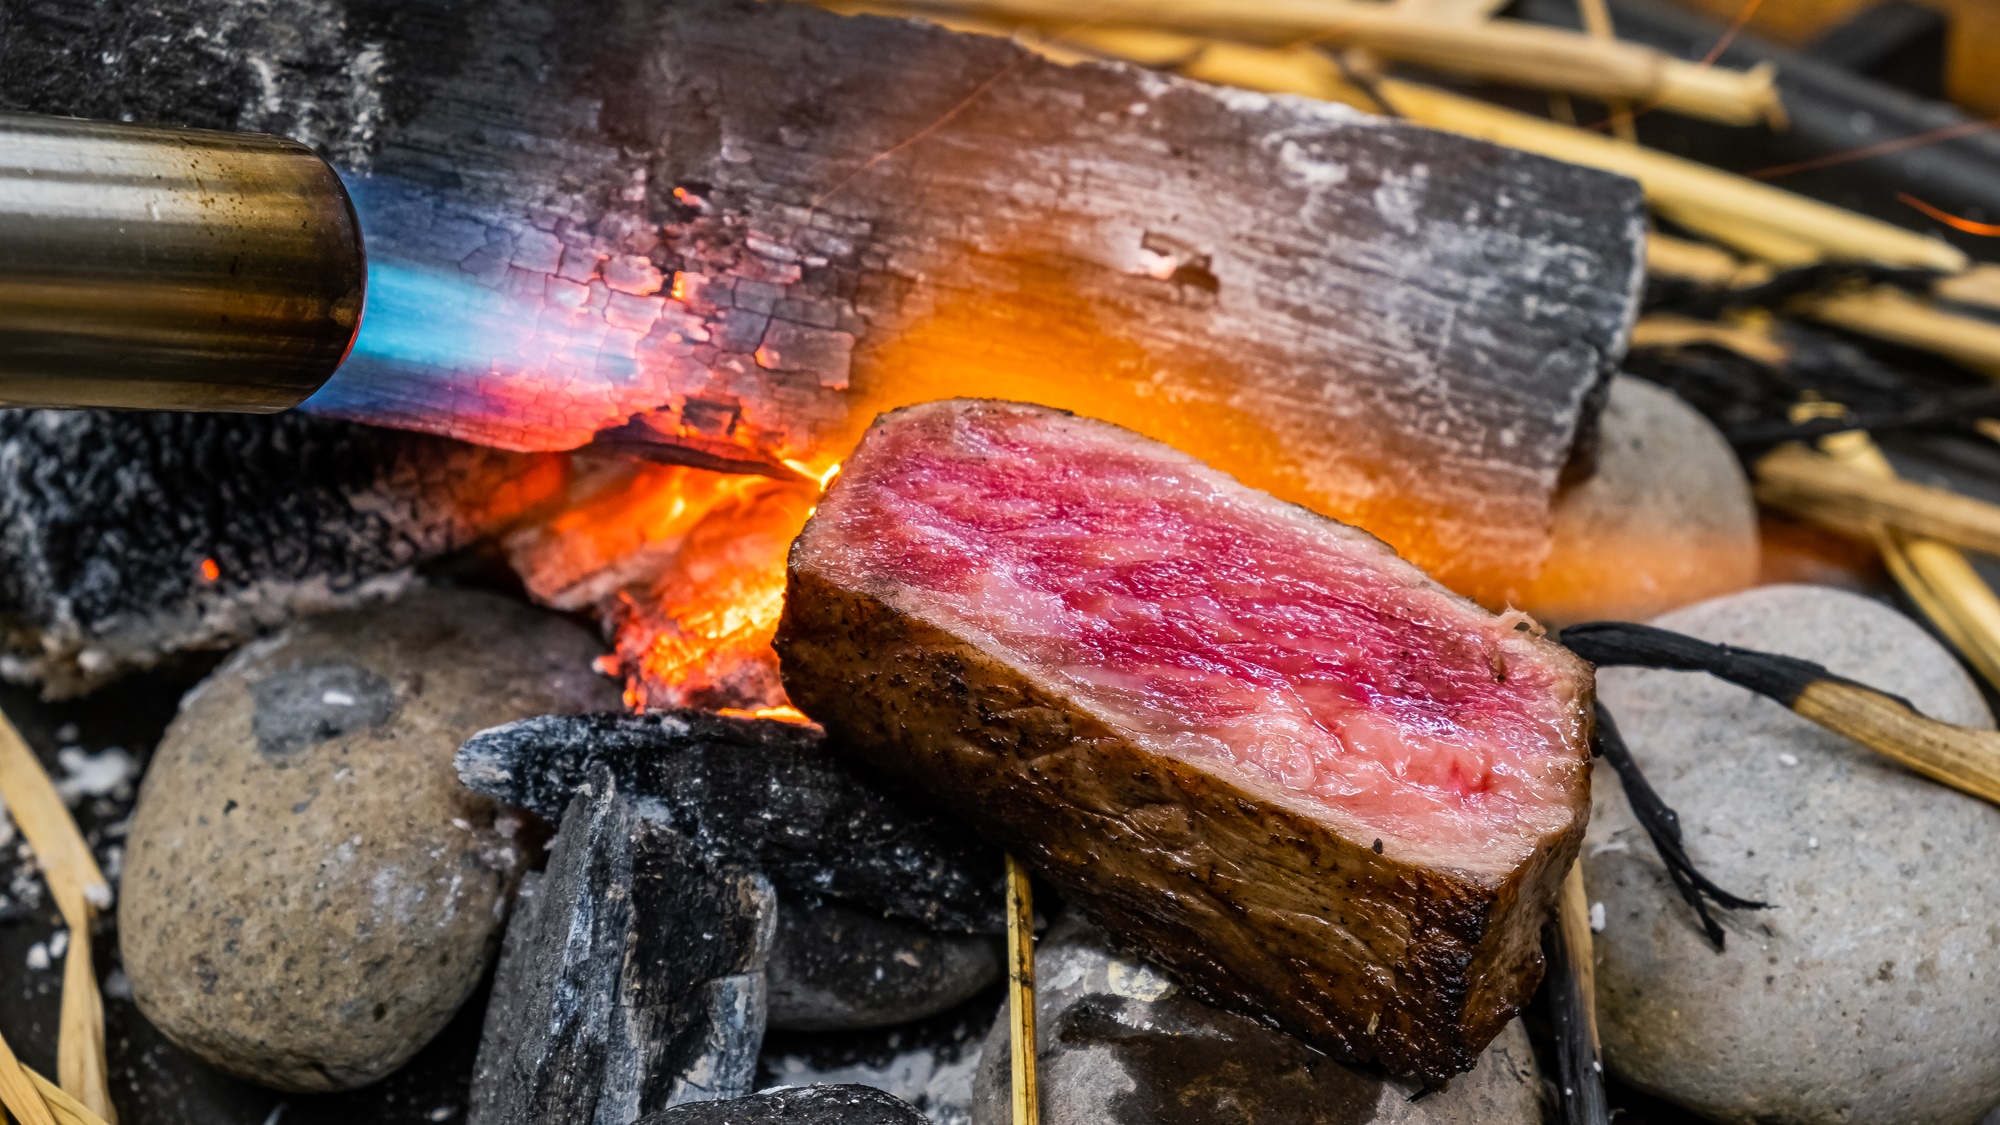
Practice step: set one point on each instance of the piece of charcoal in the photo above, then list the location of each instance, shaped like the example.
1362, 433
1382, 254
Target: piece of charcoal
1398, 326
126, 536
799, 1105
758, 792
632, 978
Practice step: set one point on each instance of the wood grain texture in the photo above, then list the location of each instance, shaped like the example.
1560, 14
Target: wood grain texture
1406, 330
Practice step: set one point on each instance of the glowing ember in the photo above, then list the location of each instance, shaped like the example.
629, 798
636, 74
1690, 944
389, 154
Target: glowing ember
685, 568
210, 570
785, 714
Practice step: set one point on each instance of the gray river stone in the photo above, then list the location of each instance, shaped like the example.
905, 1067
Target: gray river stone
1870, 991
1666, 520
309, 893
836, 968
1119, 1043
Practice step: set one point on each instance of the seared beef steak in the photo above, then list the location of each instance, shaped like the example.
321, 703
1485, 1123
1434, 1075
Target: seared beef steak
1249, 739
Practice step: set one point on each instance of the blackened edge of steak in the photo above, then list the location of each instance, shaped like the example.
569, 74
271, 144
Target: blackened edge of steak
760, 793
1256, 907
126, 536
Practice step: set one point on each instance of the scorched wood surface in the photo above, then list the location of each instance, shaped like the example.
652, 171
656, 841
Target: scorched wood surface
735, 231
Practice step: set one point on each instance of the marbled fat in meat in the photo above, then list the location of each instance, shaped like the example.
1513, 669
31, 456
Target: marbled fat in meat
1219, 624
1250, 741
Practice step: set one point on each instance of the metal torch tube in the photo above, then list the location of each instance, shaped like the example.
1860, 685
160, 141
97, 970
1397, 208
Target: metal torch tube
169, 268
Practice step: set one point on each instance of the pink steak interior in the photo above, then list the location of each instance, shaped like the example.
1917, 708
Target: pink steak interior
1215, 623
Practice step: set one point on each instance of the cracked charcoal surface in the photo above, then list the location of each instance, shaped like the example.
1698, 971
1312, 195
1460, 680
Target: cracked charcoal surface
632, 978
106, 519
802, 1105
1457, 336
758, 792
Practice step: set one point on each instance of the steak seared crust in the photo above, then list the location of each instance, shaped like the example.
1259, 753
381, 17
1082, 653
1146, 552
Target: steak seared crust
1245, 889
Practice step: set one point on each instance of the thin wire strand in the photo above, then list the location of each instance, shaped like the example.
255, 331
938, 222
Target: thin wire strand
1879, 148
1965, 226
1729, 35
1743, 16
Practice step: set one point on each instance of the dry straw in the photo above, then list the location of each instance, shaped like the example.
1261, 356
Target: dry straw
80, 890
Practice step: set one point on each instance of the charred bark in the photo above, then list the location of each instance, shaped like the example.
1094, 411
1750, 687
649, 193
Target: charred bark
632, 979
1408, 330
125, 537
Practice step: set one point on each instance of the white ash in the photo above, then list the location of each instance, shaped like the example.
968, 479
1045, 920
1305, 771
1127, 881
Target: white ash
117, 985
38, 957
937, 1082
107, 773
58, 944
24, 885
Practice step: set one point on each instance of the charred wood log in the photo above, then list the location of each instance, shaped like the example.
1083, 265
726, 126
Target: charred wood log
632, 978
127, 536
736, 231
759, 793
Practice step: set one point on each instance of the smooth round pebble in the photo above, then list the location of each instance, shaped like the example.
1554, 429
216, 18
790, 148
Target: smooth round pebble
309, 894
1119, 1043
1666, 520
1869, 993
835, 968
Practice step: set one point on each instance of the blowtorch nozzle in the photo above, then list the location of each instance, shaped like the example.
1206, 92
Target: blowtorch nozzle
170, 268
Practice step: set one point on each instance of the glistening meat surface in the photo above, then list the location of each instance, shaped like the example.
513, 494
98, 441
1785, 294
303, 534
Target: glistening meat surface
1218, 624
1202, 711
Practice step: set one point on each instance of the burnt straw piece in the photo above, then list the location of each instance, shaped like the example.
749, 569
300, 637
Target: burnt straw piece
1624, 643
632, 978
799, 1105
1579, 1075
764, 794
1663, 827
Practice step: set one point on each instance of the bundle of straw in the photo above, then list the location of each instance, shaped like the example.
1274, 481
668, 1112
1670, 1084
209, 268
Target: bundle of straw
80, 890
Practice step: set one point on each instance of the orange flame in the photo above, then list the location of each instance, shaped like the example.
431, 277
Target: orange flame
685, 568
786, 714
210, 571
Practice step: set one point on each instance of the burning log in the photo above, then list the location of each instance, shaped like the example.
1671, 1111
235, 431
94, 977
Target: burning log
588, 1022
125, 536
1228, 728
732, 233
766, 795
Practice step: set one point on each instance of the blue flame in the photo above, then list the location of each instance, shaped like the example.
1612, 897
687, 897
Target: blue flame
488, 357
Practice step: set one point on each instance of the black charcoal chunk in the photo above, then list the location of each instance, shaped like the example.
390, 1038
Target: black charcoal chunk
799, 1105
757, 792
839, 969
632, 978
126, 536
